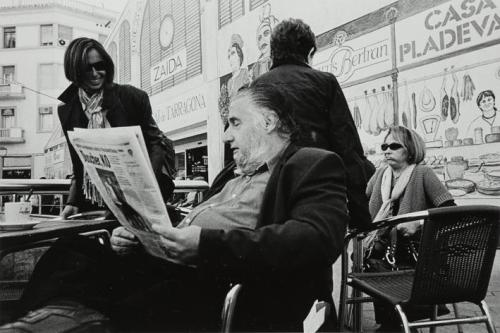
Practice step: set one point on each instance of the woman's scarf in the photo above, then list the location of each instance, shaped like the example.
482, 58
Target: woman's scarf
388, 198
93, 109
97, 119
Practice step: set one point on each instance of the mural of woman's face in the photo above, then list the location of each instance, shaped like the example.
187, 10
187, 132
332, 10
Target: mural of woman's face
234, 59
264, 39
487, 103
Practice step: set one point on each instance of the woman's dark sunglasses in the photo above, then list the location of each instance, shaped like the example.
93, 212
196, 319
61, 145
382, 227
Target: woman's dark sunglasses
392, 146
98, 66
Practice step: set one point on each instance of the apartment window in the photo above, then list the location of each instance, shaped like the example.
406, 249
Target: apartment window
46, 76
64, 34
45, 118
229, 11
7, 74
46, 35
9, 37
256, 3
8, 117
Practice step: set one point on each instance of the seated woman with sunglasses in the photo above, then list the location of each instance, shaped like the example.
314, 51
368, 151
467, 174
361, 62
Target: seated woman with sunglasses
402, 186
94, 101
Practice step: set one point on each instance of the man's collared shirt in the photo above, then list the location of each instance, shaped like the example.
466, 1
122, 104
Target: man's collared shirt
237, 205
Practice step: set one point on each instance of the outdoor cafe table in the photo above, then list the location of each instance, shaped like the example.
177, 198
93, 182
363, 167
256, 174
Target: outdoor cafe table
46, 230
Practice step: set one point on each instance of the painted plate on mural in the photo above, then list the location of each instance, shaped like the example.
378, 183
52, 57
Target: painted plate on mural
491, 159
489, 187
6, 226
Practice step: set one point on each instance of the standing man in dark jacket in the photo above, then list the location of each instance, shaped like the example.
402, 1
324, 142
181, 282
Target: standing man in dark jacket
94, 101
319, 108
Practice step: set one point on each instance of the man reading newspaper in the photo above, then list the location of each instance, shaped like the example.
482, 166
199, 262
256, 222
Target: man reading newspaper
276, 228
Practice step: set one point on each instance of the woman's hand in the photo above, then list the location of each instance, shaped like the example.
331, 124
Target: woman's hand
68, 211
409, 228
123, 241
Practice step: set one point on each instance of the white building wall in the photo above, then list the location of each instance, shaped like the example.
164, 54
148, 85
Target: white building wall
29, 55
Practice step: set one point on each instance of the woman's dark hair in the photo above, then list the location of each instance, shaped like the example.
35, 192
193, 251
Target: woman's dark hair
483, 94
75, 60
413, 143
239, 51
291, 39
271, 97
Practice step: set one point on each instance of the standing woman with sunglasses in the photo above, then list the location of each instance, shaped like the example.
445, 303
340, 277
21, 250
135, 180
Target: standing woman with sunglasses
94, 101
401, 186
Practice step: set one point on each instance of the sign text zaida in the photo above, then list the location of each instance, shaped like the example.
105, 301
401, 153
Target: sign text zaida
451, 26
169, 66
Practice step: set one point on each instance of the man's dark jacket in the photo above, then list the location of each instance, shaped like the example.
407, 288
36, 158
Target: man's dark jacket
285, 264
127, 106
322, 114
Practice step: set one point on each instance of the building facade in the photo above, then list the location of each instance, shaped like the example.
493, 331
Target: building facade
431, 65
34, 36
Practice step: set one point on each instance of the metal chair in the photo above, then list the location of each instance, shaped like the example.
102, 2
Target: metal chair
228, 308
456, 255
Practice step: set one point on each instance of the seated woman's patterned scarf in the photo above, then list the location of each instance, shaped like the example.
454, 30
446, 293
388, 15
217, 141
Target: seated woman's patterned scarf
97, 119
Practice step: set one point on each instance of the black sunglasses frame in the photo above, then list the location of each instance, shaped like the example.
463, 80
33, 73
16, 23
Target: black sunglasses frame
98, 66
393, 146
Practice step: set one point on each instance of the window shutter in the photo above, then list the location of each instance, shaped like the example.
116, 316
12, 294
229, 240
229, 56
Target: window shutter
230, 10
8, 112
187, 35
125, 74
256, 3
45, 110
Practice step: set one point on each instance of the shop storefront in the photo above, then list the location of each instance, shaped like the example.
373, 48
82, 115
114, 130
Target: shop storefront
184, 120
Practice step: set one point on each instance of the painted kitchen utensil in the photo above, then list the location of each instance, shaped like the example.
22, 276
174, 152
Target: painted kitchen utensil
430, 126
445, 99
468, 88
456, 167
389, 111
427, 102
454, 99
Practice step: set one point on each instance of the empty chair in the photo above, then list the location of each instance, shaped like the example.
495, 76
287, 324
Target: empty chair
454, 265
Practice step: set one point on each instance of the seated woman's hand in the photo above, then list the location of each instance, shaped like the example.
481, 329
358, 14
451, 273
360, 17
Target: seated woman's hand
68, 211
409, 228
123, 241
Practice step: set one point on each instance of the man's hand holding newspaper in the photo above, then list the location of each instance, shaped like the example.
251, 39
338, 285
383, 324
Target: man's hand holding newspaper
117, 162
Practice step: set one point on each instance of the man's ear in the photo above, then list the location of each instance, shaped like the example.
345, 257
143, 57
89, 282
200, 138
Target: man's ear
310, 55
270, 121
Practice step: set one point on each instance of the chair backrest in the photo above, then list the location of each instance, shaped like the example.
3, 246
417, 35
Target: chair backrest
456, 254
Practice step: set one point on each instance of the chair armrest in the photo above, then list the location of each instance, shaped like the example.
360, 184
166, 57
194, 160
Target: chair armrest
228, 308
97, 215
387, 222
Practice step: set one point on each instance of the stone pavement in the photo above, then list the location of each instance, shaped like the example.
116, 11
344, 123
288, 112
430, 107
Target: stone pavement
492, 298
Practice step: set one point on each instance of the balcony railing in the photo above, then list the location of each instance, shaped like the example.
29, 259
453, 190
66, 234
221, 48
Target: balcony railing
9, 90
12, 135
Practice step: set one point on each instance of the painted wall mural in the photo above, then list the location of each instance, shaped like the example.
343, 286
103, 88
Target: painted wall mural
431, 65
435, 70
242, 74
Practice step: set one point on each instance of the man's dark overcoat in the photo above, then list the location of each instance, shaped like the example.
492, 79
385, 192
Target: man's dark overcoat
322, 114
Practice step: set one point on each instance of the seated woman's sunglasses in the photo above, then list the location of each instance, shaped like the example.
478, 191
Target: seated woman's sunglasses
392, 146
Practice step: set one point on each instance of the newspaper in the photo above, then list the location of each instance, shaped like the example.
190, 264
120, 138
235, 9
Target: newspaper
117, 162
